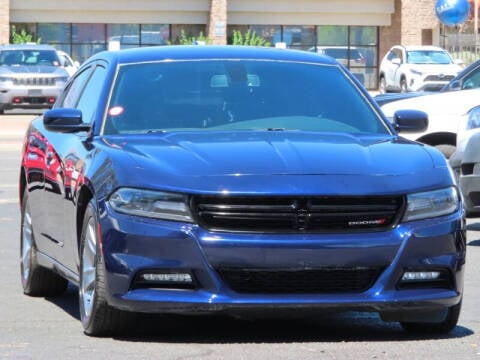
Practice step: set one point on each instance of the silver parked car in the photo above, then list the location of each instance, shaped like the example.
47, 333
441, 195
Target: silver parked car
31, 76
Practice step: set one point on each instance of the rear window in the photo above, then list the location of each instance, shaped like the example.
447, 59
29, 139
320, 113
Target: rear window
237, 95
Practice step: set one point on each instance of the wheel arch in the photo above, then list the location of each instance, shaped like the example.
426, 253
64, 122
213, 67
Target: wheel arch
84, 197
22, 184
441, 138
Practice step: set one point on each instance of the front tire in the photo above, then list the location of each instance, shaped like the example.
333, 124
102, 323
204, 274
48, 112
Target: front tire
382, 86
36, 280
443, 327
403, 86
97, 316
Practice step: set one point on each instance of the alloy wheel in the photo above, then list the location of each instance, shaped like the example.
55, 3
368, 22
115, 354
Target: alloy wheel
87, 285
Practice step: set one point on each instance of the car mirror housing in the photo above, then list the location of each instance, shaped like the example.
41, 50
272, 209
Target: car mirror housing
64, 120
410, 120
397, 61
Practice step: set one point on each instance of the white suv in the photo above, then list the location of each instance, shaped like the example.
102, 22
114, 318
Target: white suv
416, 68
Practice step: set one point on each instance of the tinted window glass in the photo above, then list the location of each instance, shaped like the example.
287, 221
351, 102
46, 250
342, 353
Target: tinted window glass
74, 89
232, 95
89, 98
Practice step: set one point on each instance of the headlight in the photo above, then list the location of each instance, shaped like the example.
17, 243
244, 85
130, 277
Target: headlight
473, 119
153, 204
416, 72
431, 204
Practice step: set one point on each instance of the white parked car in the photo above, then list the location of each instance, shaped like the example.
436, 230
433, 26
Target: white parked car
446, 111
67, 62
416, 68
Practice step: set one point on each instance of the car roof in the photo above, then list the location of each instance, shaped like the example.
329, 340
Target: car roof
26, 47
210, 52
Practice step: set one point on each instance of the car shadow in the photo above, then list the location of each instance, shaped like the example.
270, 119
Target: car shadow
474, 227
223, 329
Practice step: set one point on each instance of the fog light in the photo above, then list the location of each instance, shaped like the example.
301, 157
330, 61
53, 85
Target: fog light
421, 275
17, 100
51, 100
183, 278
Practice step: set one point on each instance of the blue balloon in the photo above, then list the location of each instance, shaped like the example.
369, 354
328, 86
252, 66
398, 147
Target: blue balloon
452, 12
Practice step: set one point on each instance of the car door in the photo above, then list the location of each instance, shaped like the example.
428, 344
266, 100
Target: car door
76, 159
56, 187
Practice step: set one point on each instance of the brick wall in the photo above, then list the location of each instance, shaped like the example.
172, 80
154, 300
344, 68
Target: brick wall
4, 21
217, 24
413, 23
418, 15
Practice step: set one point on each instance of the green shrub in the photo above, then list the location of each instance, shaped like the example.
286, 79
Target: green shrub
250, 38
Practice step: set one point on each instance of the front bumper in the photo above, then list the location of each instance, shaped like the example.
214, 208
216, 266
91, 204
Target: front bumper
133, 245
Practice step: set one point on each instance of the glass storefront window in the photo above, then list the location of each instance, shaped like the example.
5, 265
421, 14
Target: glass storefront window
84, 51
303, 36
152, 34
363, 35
54, 33
271, 33
332, 35
126, 34
88, 33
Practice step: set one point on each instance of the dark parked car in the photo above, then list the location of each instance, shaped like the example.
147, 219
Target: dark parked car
237, 179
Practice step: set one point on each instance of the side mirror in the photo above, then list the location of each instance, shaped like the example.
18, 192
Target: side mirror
397, 61
410, 121
456, 85
64, 120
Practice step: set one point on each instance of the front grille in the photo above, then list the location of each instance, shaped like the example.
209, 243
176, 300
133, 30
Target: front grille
34, 81
445, 78
297, 214
317, 281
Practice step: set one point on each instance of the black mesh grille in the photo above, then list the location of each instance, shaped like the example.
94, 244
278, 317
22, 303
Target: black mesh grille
439, 78
297, 214
35, 81
319, 281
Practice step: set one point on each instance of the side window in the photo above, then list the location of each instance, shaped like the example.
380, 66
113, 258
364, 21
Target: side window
74, 89
472, 81
89, 97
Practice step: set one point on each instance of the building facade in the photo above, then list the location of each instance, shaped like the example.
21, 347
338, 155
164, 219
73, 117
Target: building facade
363, 29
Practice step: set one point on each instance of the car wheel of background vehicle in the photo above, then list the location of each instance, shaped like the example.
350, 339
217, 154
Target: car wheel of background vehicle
382, 86
403, 86
36, 280
2, 111
443, 327
446, 149
98, 318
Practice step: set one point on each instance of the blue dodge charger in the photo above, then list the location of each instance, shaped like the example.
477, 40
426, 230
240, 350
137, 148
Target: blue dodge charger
204, 179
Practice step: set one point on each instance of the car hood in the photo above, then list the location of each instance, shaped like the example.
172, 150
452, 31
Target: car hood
445, 103
277, 161
31, 69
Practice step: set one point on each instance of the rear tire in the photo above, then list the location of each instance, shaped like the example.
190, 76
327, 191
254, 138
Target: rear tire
97, 316
443, 327
36, 280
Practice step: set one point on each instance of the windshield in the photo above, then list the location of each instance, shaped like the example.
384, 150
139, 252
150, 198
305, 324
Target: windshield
428, 57
224, 95
29, 57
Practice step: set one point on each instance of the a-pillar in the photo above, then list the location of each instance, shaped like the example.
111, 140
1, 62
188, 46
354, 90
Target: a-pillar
217, 24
